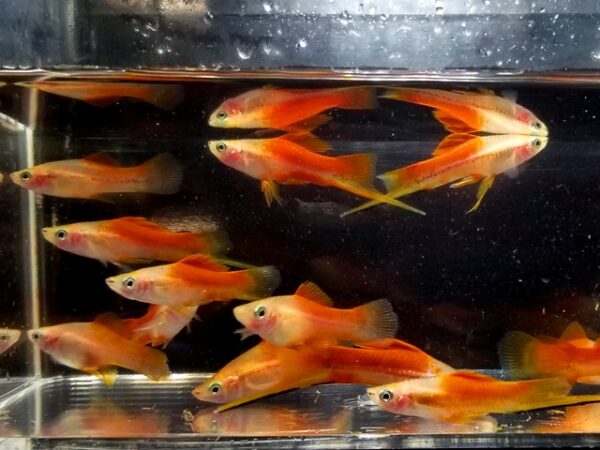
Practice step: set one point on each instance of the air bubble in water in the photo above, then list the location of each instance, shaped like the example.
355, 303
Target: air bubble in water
302, 43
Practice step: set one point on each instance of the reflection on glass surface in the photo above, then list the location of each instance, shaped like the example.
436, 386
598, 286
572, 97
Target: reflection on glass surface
103, 418
271, 420
576, 419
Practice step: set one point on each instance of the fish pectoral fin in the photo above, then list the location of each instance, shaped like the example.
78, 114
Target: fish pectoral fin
309, 124
485, 185
452, 123
450, 142
244, 333
108, 375
466, 181
271, 192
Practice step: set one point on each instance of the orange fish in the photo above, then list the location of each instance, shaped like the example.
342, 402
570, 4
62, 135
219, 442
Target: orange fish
288, 109
98, 347
267, 369
297, 159
471, 112
308, 316
465, 396
573, 357
160, 324
99, 174
133, 240
462, 160
102, 93
380, 362
263, 370
193, 281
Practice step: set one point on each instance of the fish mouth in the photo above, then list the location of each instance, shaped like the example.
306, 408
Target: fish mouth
110, 281
14, 176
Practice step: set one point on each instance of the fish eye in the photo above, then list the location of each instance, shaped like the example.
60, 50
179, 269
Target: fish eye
25, 176
36, 336
61, 234
222, 115
129, 282
386, 396
260, 312
221, 146
215, 388
537, 125
537, 143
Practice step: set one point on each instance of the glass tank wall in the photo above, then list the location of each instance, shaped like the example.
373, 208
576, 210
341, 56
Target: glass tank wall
526, 259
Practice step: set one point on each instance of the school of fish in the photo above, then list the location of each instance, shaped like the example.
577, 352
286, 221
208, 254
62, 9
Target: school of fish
304, 339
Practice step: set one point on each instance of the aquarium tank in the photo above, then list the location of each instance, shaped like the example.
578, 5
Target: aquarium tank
299, 224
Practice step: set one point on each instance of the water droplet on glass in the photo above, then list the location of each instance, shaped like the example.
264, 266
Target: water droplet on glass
268, 7
302, 43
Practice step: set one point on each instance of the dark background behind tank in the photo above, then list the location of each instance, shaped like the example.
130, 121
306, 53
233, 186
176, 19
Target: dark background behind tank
527, 259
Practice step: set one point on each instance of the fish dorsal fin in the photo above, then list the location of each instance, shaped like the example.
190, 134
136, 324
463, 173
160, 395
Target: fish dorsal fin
312, 292
451, 123
389, 344
101, 158
573, 332
114, 323
203, 262
452, 141
309, 141
470, 375
140, 222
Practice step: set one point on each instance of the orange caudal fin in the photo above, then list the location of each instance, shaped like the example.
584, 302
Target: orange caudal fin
379, 321
154, 364
516, 354
359, 168
216, 242
163, 174
362, 97
264, 281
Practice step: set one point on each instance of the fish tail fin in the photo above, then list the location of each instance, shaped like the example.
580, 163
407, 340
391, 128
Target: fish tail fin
379, 321
165, 97
164, 174
155, 364
264, 281
362, 97
516, 354
359, 168
215, 242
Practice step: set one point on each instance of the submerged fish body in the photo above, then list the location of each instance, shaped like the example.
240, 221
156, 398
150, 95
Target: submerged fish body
263, 370
298, 159
462, 160
464, 396
381, 362
194, 281
133, 239
308, 316
286, 109
102, 93
471, 112
573, 357
99, 174
8, 338
160, 324
96, 348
